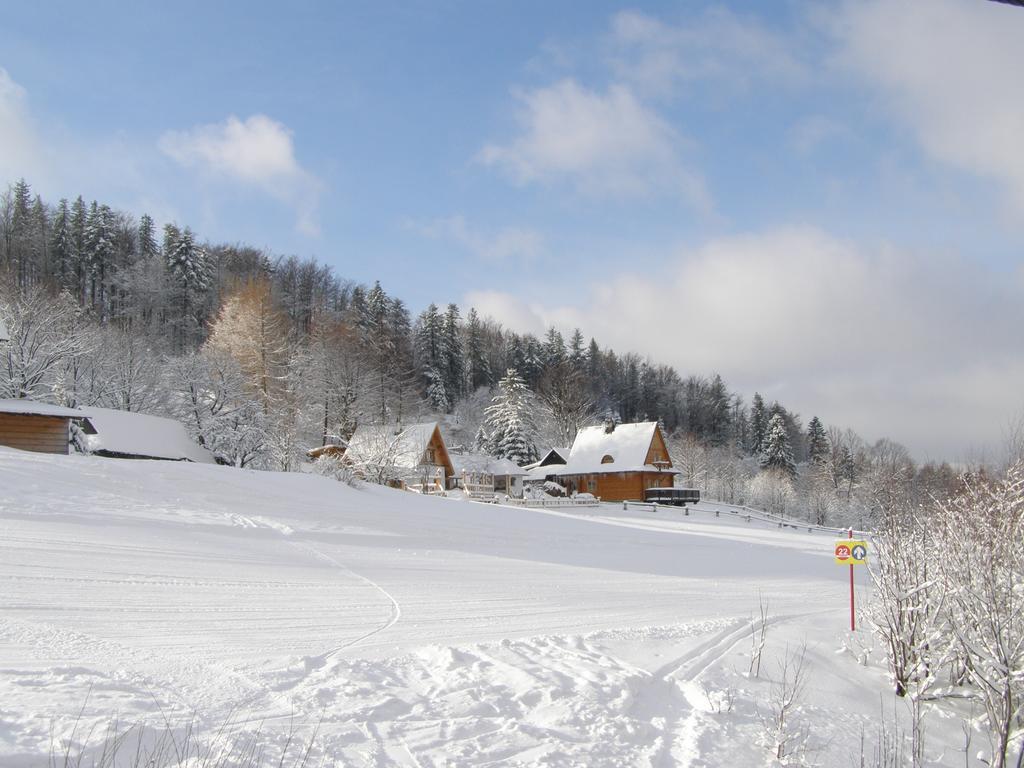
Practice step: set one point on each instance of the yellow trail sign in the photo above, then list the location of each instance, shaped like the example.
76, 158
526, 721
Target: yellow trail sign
851, 552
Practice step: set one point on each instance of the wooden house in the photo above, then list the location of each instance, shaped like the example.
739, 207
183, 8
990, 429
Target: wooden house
413, 456
40, 427
613, 462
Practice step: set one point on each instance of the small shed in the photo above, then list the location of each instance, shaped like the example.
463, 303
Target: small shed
31, 426
130, 435
479, 474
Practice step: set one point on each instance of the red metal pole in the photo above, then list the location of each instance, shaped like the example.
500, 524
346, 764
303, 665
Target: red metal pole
853, 623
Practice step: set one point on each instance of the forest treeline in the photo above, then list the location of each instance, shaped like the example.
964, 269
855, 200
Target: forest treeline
264, 356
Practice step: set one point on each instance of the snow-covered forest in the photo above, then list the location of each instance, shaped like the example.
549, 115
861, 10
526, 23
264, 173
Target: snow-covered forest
264, 356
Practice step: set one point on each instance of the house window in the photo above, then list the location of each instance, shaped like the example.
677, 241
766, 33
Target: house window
607, 459
430, 456
592, 485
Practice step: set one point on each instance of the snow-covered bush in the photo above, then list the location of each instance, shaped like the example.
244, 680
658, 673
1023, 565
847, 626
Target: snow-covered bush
335, 467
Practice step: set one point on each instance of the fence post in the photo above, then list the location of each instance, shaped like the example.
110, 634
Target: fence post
625, 506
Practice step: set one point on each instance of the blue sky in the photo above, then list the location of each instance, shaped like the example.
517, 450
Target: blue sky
626, 168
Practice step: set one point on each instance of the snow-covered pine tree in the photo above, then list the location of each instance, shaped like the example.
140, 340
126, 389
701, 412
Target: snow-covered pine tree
577, 351
719, 411
432, 357
817, 442
758, 425
478, 371
554, 348
453, 356
147, 247
189, 269
509, 421
62, 247
777, 453
39, 250
78, 258
99, 254
437, 394
19, 237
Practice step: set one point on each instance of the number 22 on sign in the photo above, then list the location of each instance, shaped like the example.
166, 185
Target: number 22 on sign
851, 552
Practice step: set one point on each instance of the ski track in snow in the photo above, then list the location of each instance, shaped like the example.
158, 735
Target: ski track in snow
396, 609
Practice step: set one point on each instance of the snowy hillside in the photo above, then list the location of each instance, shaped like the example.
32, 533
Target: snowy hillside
423, 631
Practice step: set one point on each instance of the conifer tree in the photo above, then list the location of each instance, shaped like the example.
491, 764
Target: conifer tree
758, 425
20, 235
554, 348
453, 356
509, 421
817, 442
577, 352
187, 264
432, 356
147, 247
477, 367
777, 453
78, 258
39, 237
62, 247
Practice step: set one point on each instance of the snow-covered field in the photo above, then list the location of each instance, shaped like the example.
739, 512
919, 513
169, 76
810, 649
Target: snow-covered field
420, 631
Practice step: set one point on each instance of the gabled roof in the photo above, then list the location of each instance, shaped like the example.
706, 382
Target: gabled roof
482, 462
400, 446
33, 408
126, 433
596, 449
627, 444
553, 456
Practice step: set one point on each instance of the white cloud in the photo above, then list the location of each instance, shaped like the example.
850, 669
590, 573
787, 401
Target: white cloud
919, 348
951, 71
658, 57
21, 151
602, 143
258, 151
507, 244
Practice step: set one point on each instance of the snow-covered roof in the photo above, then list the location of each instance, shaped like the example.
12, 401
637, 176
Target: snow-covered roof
553, 456
482, 462
626, 446
33, 408
126, 433
400, 446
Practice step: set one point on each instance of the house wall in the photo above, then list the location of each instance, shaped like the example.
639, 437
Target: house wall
42, 434
658, 452
617, 486
437, 454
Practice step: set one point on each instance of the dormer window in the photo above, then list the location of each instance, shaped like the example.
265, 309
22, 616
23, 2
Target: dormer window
607, 459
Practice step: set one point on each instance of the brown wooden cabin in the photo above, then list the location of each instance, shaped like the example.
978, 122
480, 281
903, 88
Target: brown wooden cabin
40, 427
614, 462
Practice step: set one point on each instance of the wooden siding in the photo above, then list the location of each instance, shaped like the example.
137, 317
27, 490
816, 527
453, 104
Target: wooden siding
616, 486
658, 452
437, 454
42, 434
